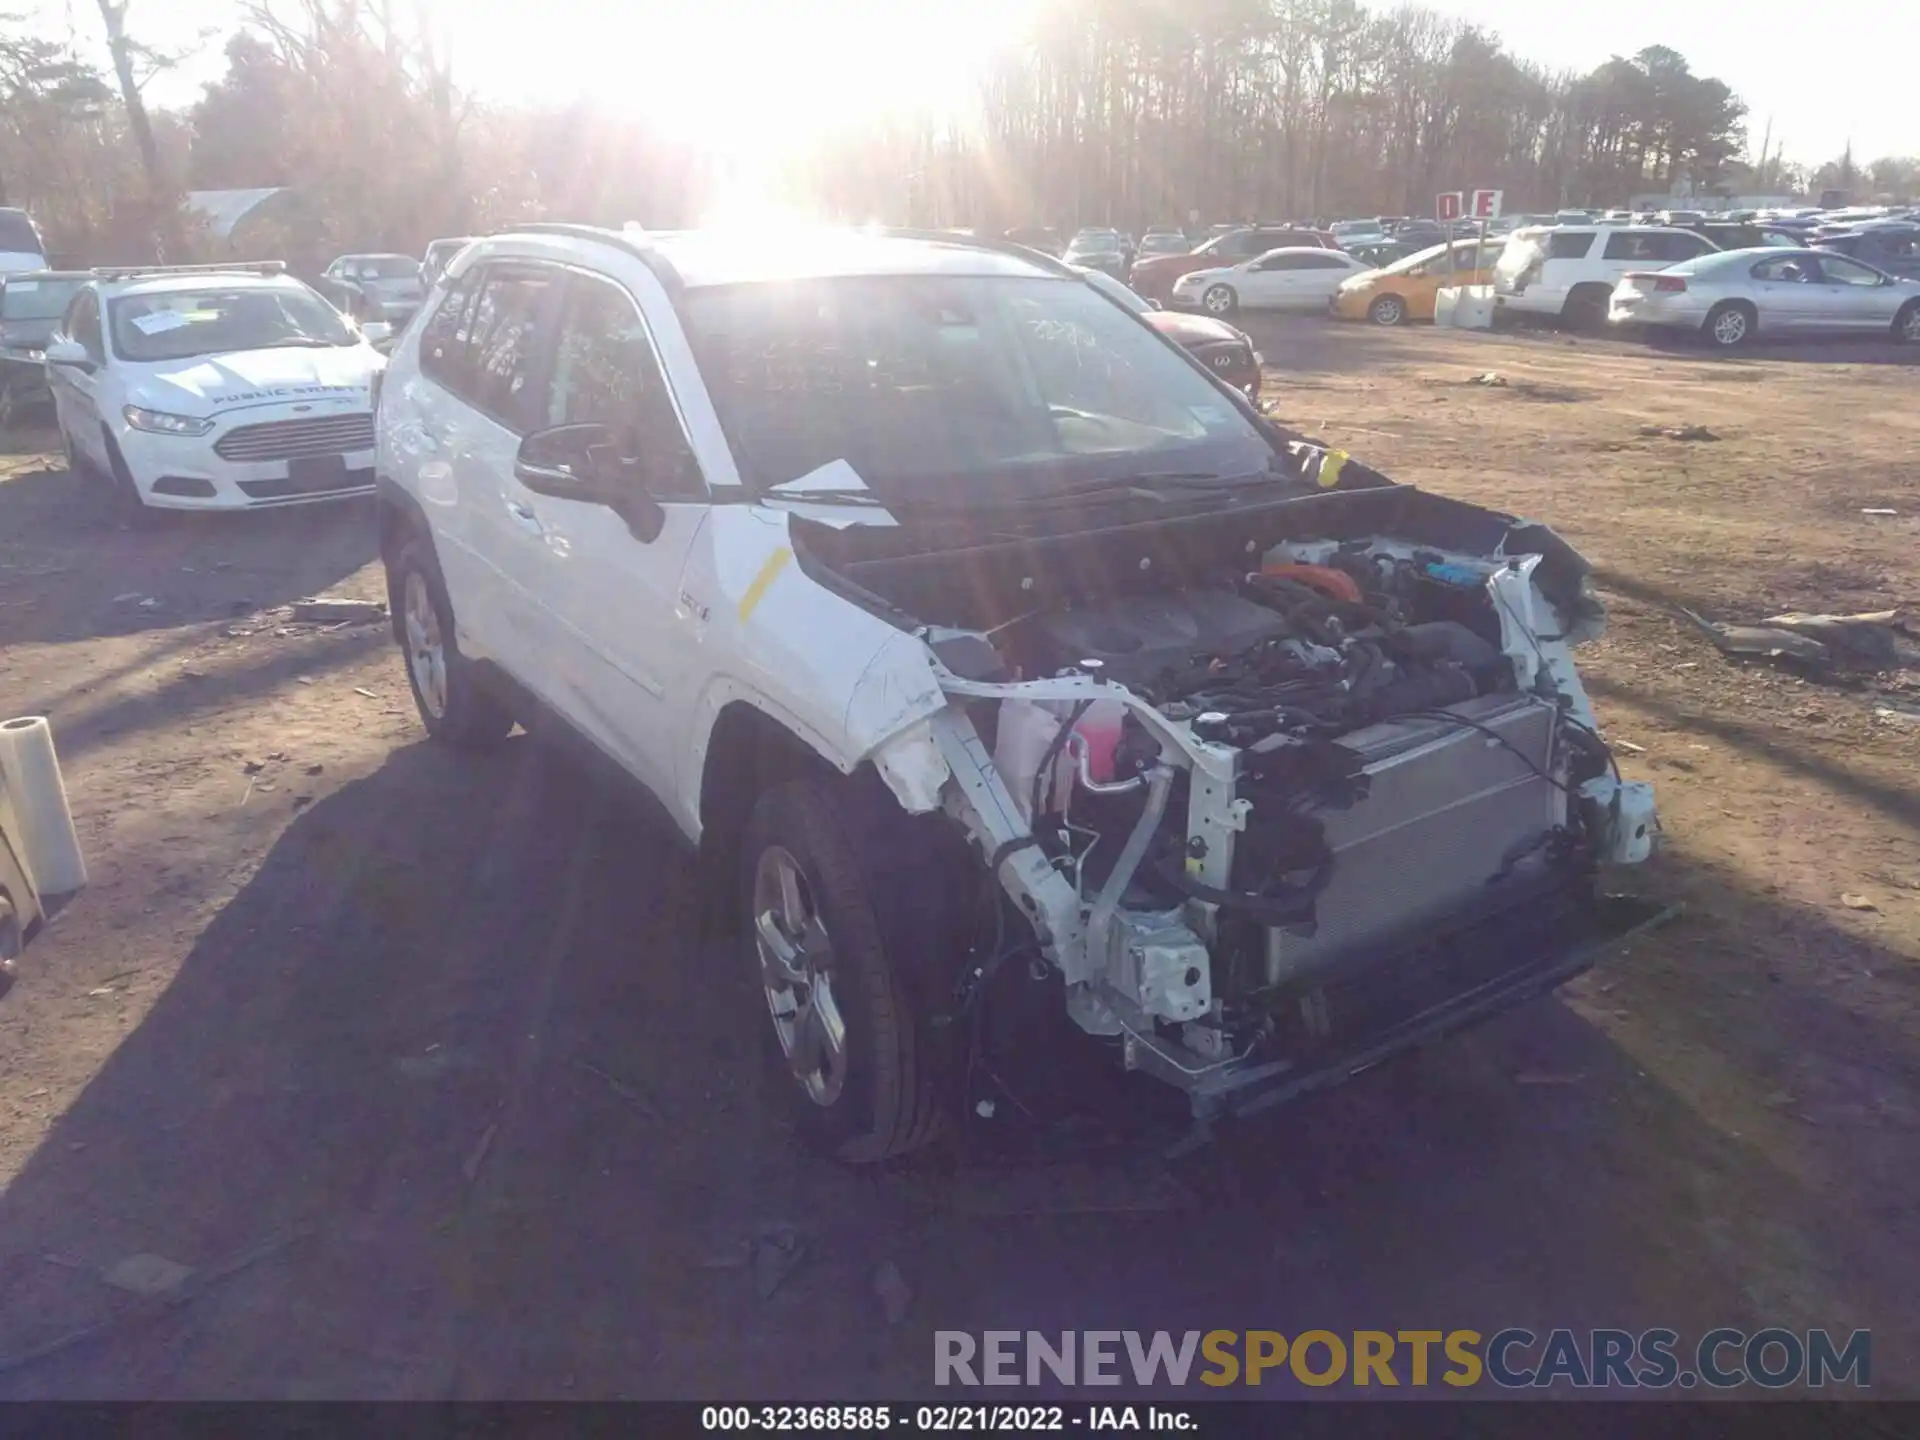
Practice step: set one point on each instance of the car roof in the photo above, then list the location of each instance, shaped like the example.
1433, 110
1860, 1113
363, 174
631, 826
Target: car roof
1300, 250
721, 257
371, 255
200, 280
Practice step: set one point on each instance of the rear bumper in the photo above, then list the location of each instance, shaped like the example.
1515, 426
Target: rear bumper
1375, 1007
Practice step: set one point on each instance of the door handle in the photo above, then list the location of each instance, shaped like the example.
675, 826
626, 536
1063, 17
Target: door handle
524, 514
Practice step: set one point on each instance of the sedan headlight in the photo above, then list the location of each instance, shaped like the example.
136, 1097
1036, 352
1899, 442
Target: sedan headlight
159, 422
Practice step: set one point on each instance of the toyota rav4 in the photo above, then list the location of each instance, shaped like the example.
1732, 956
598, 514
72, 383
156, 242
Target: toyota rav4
981, 642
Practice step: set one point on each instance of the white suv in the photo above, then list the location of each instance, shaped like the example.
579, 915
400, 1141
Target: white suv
213, 388
992, 652
1569, 271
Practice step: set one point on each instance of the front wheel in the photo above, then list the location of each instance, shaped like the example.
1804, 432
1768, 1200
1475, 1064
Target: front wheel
1729, 325
1219, 300
129, 505
1906, 325
1387, 310
454, 708
854, 1060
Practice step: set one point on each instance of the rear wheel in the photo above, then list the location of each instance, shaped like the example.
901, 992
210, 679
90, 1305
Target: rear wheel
1219, 300
1586, 307
853, 1055
1730, 324
454, 708
1906, 325
1387, 310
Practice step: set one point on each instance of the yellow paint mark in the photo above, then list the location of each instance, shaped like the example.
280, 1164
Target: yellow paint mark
1330, 467
757, 591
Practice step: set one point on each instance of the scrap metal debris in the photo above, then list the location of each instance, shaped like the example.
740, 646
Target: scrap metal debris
329, 608
1678, 432
148, 1275
1878, 640
778, 1250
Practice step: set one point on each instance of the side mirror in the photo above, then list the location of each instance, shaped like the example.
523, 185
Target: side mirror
583, 463
1155, 305
71, 353
376, 332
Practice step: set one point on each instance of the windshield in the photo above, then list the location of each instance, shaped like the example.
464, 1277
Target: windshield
1163, 245
17, 233
384, 267
946, 388
179, 324
1116, 291
37, 299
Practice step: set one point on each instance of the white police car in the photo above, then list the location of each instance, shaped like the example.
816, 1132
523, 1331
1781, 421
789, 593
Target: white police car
213, 388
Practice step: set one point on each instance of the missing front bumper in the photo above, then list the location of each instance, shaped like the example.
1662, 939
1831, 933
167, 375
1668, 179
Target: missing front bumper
1365, 1013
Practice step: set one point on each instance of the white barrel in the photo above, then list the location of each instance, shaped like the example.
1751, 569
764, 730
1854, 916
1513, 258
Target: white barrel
33, 806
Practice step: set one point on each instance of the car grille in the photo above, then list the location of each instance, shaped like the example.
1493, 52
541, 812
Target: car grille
297, 439
1225, 357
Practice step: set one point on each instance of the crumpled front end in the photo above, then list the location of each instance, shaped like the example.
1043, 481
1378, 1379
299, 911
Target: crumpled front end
1282, 792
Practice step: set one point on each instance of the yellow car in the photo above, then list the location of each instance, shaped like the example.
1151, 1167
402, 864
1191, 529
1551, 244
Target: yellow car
1405, 290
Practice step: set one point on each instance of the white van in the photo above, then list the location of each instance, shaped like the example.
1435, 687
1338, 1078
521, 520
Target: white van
1569, 271
21, 248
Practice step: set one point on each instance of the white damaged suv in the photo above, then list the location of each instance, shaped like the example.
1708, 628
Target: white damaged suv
213, 388
993, 654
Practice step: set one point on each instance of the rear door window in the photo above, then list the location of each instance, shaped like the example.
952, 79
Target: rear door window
443, 339
1568, 245
510, 310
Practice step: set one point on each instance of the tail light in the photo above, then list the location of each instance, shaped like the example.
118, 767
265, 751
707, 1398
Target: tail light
1658, 283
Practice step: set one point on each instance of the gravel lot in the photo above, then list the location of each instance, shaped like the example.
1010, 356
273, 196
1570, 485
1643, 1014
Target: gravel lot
426, 1052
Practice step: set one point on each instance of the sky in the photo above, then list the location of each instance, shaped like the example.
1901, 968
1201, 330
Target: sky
772, 71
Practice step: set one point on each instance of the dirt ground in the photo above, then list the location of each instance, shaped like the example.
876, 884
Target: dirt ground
415, 1060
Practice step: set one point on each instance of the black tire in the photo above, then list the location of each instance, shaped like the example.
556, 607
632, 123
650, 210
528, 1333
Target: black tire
1906, 325
1586, 307
128, 508
1388, 310
456, 711
1729, 325
12, 942
888, 1100
1220, 300
78, 465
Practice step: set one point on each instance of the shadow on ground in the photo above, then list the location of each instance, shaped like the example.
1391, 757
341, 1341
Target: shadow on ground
69, 571
453, 1058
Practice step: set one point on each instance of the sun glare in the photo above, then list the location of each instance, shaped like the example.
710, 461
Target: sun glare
742, 78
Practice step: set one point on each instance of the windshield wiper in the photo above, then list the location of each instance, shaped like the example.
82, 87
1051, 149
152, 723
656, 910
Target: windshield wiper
1157, 485
823, 497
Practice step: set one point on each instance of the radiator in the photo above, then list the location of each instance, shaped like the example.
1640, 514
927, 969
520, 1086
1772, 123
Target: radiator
1448, 809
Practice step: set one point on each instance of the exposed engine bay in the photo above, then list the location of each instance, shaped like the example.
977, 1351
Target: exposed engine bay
1238, 777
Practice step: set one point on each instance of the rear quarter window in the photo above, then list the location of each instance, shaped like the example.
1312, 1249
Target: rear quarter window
1568, 245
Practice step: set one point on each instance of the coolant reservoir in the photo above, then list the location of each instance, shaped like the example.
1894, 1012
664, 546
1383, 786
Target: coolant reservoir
1027, 728
1099, 731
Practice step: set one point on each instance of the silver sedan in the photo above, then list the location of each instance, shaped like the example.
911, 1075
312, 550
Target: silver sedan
1732, 295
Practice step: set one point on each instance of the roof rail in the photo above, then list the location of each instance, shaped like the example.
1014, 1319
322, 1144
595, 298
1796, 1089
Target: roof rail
984, 242
632, 240
244, 267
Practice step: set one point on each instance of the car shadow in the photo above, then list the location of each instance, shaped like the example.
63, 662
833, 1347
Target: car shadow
451, 1101
70, 571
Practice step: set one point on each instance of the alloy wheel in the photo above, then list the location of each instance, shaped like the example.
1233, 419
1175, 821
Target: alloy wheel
1730, 328
426, 650
796, 970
